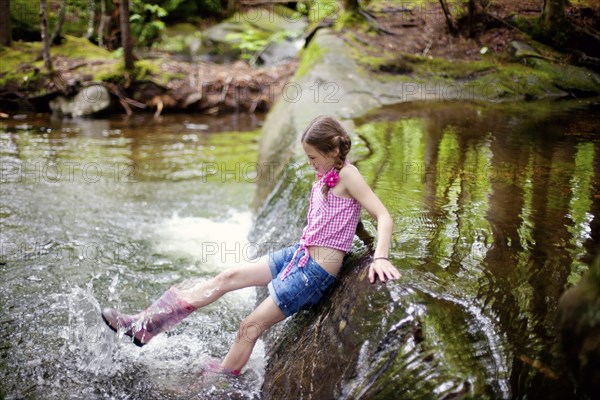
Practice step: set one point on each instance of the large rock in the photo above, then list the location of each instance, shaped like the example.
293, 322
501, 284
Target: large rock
579, 326
88, 101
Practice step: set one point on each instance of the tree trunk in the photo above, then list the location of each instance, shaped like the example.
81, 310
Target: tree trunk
126, 35
451, 27
472, 10
102, 24
92, 10
232, 6
5, 34
45, 38
60, 22
553, 15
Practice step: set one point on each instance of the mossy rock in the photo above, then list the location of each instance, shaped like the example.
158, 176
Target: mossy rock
21, 62
579, 325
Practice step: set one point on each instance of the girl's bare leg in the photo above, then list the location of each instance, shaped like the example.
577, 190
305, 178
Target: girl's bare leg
200, 293
264, 316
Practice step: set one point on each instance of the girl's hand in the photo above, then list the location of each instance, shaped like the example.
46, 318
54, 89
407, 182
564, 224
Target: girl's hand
383, 268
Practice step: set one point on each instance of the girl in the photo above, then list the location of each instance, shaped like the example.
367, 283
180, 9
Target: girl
296, 276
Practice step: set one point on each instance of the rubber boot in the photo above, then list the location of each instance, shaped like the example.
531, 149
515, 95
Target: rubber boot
214, 366
162, 315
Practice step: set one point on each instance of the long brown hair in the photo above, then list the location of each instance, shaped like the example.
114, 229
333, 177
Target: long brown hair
326, 134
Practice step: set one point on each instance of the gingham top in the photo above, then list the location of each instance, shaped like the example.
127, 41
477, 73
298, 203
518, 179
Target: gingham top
331, 223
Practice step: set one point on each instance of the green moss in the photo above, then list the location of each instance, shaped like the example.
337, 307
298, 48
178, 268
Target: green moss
546, 79
308, 58
352, 21
510, 81
116, 73
17, 61
434, 66
146, 68
75, 47
180, 29
567, 76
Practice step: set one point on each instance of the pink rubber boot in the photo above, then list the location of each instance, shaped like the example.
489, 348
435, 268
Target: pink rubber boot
162, 315
214, 365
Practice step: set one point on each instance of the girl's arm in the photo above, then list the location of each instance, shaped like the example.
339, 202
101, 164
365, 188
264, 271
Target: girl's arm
358, 188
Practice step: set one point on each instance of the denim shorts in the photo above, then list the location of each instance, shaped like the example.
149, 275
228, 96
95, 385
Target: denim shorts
303, 287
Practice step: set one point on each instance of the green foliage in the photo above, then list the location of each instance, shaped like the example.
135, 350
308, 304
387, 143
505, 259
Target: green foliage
183, 10
248, 42
176, 43
25, 18
148, 18
146, 22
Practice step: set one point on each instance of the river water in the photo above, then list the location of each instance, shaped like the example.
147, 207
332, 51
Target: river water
496, 213
98, 213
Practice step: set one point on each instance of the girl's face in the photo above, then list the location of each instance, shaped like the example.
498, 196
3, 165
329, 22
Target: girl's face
322, 163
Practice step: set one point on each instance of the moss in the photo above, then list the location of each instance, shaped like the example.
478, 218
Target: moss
567, 76
350, 20
510, 81
75, 47
308, 58
545, 80
116, 73
21, 62
181, 29
18, 61
447, 68
146, 68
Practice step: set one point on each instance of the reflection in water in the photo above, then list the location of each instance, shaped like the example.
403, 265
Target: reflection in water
496, 212
112, 212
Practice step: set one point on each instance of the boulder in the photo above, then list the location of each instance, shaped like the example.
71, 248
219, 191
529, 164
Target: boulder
579, 310
88, 101
523, 50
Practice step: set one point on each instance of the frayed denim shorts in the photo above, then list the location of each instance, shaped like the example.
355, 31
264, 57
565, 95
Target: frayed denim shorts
303, 287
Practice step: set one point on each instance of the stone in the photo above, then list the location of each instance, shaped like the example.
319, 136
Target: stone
88, 101
277, 52
579, 324
523, 50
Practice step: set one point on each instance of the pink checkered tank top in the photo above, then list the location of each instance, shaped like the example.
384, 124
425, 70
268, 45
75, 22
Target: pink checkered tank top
331, 223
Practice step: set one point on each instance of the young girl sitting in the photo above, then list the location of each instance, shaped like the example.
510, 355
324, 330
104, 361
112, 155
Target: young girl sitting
297, 276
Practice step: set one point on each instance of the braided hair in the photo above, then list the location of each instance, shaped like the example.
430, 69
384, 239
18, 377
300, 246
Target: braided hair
326, 134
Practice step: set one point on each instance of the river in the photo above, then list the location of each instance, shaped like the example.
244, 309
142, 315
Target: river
496, 213
111, 212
